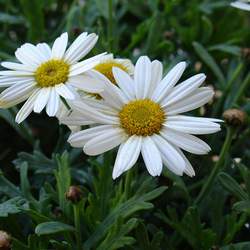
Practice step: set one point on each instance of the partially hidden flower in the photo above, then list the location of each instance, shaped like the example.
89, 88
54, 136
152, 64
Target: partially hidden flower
242, 4
107, 63
45, 74
143, 115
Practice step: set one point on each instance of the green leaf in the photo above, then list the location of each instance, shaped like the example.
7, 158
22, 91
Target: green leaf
237, 246
11, 19
12, 206
8, 188
232, 186
118, 238
207, 27
230, 49
53, 227
209, 61
33, 11
63, 179
242, 206
134, 204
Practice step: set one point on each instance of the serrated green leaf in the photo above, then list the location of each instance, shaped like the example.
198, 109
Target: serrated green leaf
232, 186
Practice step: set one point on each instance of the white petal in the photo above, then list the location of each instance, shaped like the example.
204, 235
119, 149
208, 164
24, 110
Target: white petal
35, 52
17, 66
151, 156
171, 158
41, 99
74, 119
27, 107
142, 77
105, 141
156, 76
8, 104
192, 118
187, 142
17, 90
125, 82
86, 83
183, 89
53, 103
16, 73
85, 65
130, 68
27, 56
64, 91
80, 47
127, 156
45, 50
188, 169
241, 5
198, 98
112, 95
93, 114
79, 139
60, 46
191, 126
6, 81
168, 82
75, 46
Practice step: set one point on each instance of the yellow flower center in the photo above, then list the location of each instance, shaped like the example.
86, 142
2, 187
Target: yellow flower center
106, 69
51, 73
142, 117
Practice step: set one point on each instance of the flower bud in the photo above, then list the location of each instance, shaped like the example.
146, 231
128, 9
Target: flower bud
5, 241
234, 117
74, 194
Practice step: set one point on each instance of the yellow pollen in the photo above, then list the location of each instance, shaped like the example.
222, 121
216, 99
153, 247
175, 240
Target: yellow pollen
106, 68
51, 73
142, 117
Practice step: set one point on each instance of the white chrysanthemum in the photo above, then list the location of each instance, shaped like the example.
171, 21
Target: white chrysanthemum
243, 4
44, 74
143, 115
108, 62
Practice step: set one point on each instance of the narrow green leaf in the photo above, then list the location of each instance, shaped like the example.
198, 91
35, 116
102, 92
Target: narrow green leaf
52, 227
209, 61
232, 186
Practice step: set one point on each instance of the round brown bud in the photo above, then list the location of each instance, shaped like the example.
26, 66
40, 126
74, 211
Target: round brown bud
198, 66
74, 194
5, 241
234, 117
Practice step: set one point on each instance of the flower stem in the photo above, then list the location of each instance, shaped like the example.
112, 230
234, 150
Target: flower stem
127, 184
76, 208
242, 89
207, 186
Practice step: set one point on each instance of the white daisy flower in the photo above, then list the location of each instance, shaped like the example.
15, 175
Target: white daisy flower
143, 115
242, 4
108, 62
45, 74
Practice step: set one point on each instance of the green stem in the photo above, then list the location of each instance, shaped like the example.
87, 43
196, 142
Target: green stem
220, 102
76, 208
110, 25
127, 185
206, 188
242, 89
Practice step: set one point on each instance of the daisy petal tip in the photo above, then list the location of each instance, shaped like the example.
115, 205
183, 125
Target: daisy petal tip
116, 174
18, 120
